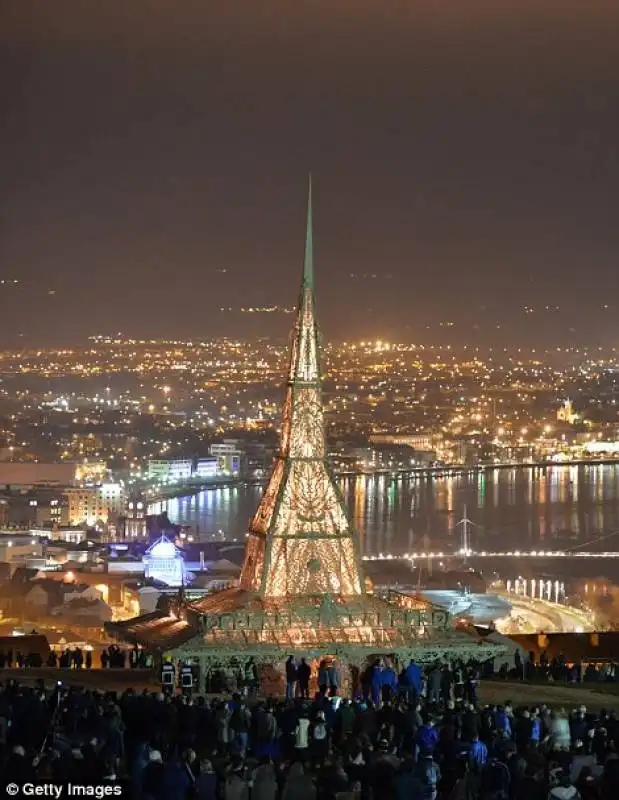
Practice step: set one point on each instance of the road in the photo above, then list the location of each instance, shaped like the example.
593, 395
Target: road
535, 616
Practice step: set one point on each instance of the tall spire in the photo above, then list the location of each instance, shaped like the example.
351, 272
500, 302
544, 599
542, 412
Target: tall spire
305, 357
301, 541
308, 264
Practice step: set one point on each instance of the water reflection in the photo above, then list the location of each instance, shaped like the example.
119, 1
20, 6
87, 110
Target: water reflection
553, 507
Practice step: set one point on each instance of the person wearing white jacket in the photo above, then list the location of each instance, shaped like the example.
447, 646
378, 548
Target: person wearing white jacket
560, 730
302, 736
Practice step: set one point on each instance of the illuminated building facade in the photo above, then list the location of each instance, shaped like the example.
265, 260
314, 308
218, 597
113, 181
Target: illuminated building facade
170, 470
135, 516
163, 562
99, 505
566, 413
90, 473
206, 468
229, 457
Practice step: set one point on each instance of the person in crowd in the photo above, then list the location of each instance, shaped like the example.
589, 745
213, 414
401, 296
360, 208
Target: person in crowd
240, 722
560, 730
320, 740
427, 736
333, 679
323, 677
302, 732
304, 673
291, 678
429, 775
478, 754
412, 680
376, 681
434, 684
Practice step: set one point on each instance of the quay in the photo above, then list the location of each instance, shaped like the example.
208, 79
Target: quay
190, 488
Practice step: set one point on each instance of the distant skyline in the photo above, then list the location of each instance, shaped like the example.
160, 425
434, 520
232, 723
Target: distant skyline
464, 158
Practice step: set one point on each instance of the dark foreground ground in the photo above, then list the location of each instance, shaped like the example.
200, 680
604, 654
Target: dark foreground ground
104, 679
595, 696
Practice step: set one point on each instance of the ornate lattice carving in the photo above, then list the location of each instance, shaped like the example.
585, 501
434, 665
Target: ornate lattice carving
300, 539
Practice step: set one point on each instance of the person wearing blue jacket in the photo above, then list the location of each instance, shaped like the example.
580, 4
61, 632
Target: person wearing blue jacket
412, 682
502, 722
376, 682
389, 684
427, 737
536, 729
478, 754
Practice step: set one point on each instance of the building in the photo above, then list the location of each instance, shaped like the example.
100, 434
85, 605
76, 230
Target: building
22, 509
18, 550
229, 456
83, 508
225, 459
29, 475
18, 510
112, 497
170, 470
181, 469
53, 511
101, 505
258, 458
598, 448
91, 473
207, 468
163, 562
383, 457
566, 413
158, 470
55, 533
302, 590
135, 517
423, 442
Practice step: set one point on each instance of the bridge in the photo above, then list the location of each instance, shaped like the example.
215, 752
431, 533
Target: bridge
491, 554
466, 551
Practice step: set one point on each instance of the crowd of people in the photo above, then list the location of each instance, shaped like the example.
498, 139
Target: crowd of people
416, 735
70, 658
558, 669
116, 657
112, 656
15, 658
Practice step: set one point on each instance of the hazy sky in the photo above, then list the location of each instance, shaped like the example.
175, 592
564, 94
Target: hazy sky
464, 153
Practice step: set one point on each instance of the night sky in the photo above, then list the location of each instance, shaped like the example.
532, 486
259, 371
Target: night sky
464, 153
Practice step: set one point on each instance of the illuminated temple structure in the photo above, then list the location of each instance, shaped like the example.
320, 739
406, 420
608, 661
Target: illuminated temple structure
302, 590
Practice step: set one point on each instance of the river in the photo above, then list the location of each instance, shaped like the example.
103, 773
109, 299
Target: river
520, 508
